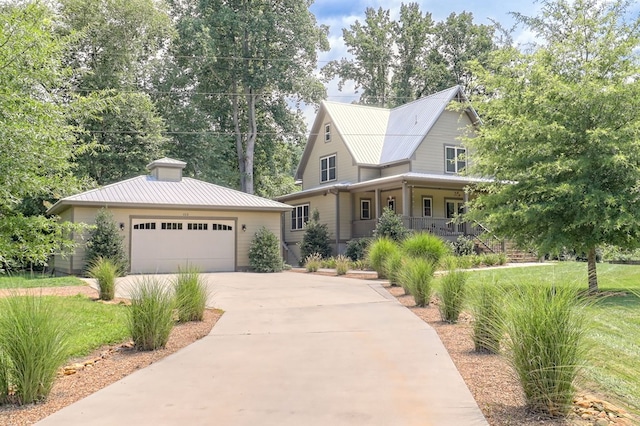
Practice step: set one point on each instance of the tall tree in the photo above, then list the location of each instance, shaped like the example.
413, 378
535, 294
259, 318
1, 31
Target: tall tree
561, 134
371, 45
36, 141
247, 56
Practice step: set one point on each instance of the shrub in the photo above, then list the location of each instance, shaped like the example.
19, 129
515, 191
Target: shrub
490, 259
417, 275
476, 260
452, 294
379, 250
313, 262
264, 252
360, 265
150, 314
465, 262
34, 346
105, 272
487, 308
463, 246
357, 249
105, 241
390, 226
342, 264
315, 238
4, 378
392, 265
329, 263
191, 295
502, 258
546, 328
426, 246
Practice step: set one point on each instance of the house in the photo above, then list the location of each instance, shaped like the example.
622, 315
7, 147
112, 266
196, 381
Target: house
169, 221
361, 159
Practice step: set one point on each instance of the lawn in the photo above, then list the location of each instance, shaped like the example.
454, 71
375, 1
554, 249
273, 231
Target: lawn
614, 337
26, 280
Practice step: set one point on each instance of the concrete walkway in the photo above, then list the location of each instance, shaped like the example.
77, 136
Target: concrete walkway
294, 349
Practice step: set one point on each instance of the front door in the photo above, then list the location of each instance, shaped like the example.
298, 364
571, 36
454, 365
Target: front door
452, 209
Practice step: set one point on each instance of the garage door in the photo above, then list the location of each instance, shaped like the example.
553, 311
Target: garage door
164, 245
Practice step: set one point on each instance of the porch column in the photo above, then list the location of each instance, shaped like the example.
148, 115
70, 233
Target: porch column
377, 203
466, 200
405, 200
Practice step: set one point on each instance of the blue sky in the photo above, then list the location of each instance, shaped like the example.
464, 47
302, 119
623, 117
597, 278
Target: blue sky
339, 14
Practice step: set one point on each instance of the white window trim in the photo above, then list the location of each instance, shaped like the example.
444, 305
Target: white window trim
362, 201
457, 154
294, 221
327, 132
335, 168
392, 200
430, 206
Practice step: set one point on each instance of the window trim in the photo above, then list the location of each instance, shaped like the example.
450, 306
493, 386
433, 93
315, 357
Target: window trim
392, 202
327, 132
430, 206
456, 152
328, 170
362, 202
295, 217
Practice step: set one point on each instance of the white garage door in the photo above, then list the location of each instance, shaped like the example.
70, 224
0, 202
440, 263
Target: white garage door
163, 245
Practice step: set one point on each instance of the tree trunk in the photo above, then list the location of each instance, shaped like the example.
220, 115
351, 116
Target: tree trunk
251, 140
591, 268
239, 144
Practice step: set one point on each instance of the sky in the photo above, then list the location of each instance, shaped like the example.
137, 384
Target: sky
339, 14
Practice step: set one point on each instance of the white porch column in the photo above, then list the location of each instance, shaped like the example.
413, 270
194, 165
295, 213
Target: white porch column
466, 200
405, 200
378, 211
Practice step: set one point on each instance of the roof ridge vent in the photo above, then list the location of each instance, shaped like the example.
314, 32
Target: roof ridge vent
167, 169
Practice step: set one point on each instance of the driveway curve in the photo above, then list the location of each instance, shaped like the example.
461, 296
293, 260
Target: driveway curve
293, 349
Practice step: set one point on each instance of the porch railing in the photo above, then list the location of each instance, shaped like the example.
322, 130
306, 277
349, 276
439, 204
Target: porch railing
443, 227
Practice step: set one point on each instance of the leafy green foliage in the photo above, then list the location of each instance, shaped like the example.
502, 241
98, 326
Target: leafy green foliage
316, 238
559, 138
150, 314
105, 241
33, 345
417, 275
105, 272
452, 293
546, 328
357, 248
379, 250
390, 225
191, 294
463, 246
264, 252
426, 246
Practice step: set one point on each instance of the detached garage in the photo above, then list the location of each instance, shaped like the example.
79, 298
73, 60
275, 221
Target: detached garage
169, 221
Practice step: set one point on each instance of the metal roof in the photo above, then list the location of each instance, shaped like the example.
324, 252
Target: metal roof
146, 191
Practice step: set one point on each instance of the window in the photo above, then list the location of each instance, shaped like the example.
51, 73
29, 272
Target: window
455, 159
148, 225
391, 203
365, 209
327, 132
171, 226
328, 168
427, 203
221, 227
197, 226
299, 216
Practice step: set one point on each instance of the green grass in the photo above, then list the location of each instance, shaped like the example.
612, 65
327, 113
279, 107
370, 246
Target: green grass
26, 280
614, 335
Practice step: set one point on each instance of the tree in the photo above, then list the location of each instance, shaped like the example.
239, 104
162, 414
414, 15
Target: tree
561, 135
371, 45
37, 142
315, 238
247, 58
105, 241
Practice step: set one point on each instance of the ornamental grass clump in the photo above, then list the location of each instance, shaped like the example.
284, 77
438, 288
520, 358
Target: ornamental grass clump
150, 314
452, 294
487, 307
313, 262
33, 346
378, 252
342, 264
546, 328
191, 294
426, 246
105, 271
416, 275
392, 266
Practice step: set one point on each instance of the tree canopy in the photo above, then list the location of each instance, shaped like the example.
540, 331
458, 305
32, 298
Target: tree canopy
561, 135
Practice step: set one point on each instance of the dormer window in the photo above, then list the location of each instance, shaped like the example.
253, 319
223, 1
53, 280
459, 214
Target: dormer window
327, 132
328, 168
455, 159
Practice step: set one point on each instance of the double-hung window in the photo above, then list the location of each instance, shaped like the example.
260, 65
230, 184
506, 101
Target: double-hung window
328, 168
365, 209
299, 216
427, 204
455, 159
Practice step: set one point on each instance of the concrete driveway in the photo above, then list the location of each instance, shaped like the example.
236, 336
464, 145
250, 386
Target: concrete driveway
293, 349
